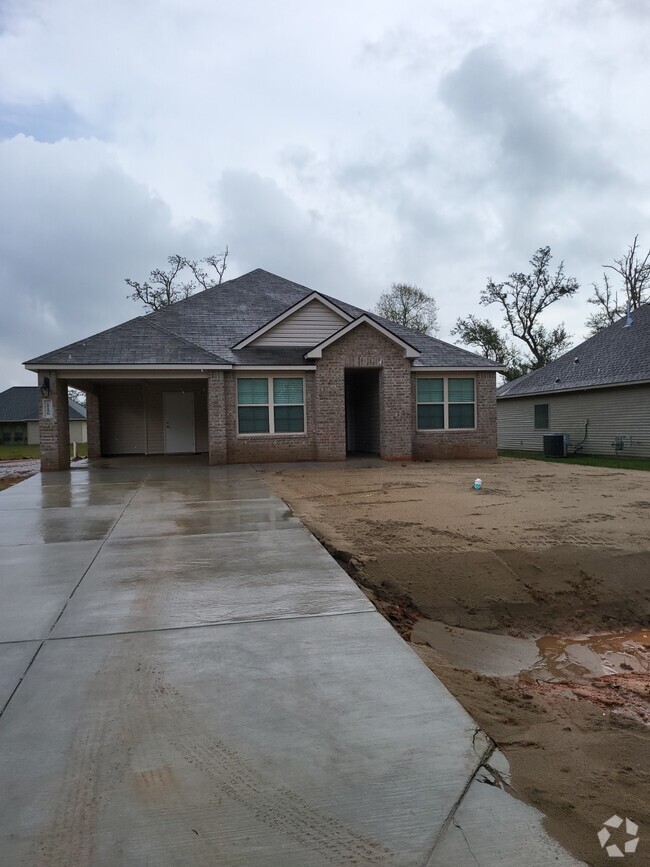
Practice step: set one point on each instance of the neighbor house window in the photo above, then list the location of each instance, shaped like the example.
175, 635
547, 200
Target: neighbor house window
270, 404
445, 403
541, 416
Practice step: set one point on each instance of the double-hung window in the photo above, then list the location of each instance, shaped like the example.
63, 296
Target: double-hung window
270, 404
445, 403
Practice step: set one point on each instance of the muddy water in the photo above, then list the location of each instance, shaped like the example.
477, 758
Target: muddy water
549, 658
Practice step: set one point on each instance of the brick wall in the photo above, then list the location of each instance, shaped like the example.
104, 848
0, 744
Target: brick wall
479, 443
55, 431
263, 448
92, 419
217, 436
363, 347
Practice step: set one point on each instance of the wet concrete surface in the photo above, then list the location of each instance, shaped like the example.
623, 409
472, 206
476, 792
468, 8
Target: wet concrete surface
153, 728
66, 496
14, 661
187, 580
37, 581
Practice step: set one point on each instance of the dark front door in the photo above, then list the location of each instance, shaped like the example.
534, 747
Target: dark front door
362, 416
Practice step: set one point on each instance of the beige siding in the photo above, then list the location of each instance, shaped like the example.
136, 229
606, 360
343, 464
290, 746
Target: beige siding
612, 412
154, 405
78, 432
132, 416
308, 326
122, 418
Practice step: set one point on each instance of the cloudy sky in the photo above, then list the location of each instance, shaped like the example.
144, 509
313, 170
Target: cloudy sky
345, 145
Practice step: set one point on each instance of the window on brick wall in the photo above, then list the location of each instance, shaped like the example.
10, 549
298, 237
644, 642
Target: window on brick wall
270, 405
445, 403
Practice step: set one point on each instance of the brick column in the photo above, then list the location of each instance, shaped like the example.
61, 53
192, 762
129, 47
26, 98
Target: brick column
395, 403
217, 444
93, 425
330, 410
54, 424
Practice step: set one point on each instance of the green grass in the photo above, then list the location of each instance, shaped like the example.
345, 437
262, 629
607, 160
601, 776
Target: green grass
18, 452
584, 460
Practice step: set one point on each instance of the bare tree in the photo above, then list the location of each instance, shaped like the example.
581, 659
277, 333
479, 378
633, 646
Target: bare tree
218, 263
164, 288
523, 298
410, 306
634, 272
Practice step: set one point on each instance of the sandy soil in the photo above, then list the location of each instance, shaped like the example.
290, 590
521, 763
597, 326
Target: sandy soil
12, 472
540, 549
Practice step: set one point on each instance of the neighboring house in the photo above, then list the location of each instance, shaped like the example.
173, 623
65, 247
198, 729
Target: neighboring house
598, 394
263, 369
19, 417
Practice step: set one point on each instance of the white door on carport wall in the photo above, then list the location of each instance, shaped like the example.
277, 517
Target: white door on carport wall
178, 418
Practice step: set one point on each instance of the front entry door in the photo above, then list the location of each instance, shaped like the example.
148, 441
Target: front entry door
178, 419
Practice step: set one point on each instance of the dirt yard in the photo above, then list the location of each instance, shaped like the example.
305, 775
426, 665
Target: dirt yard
12, 472
541, 552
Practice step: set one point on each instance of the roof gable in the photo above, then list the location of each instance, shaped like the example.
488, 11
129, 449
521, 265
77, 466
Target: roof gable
306, 323
317, 351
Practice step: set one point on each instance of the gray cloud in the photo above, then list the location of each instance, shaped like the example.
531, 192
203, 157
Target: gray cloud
345, 148
72, 226
537, 142
268, 229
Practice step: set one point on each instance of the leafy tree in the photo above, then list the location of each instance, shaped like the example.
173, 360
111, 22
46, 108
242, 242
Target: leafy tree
523, 298
492, 344
634, 272
410, 306
164, 288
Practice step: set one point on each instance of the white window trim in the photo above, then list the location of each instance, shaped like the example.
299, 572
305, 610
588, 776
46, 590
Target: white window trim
445, 397
270, 406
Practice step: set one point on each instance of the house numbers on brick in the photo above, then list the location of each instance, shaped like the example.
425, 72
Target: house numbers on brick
367, 361
47, 409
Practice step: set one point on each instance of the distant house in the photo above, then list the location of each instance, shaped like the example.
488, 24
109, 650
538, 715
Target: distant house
263, 369
598, 394
19, 417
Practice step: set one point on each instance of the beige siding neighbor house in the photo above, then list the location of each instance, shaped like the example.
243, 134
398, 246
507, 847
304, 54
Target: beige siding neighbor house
263, 369
19, 407
598, 395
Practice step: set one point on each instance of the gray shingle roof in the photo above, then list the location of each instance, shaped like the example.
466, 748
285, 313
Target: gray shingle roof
20, 403
615, 355
203, 329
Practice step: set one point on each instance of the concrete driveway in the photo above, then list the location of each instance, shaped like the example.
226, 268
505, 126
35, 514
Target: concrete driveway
187, 677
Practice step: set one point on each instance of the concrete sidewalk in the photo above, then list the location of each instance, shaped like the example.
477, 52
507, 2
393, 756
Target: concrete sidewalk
187, 677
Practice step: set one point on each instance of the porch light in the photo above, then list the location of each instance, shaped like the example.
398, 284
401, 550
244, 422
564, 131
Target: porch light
45, 388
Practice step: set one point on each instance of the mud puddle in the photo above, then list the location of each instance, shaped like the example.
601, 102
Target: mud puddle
549, 658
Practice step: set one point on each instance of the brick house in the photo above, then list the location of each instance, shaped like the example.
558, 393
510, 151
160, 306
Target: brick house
263, 369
